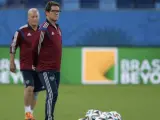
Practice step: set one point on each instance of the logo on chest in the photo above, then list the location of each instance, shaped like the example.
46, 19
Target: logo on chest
56, 33
29, 34
52, 33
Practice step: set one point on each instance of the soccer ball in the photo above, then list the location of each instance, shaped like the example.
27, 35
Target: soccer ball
103, 116
99, 118
92, 114
113, 115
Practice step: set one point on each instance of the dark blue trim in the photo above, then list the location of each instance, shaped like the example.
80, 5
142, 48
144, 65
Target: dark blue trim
22, 34
48, 33
42, 28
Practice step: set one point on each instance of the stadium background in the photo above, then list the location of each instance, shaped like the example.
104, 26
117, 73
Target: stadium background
104, 42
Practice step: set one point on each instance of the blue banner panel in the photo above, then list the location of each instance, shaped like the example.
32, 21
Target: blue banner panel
93, 28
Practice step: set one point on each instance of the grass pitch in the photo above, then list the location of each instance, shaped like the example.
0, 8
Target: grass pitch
132, 102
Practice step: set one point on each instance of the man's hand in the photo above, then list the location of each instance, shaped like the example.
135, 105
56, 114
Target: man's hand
12, 67
33, 67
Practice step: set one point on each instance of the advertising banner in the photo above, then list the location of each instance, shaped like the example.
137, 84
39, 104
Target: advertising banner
6, 77
70, 70
120, 65
99, 66
96, 65
139, 65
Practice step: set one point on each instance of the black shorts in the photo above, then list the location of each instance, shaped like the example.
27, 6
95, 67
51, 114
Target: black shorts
31, 79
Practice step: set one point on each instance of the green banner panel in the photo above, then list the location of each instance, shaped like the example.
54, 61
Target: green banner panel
71, 66
6, 77
70, 70
92, 65
139, 65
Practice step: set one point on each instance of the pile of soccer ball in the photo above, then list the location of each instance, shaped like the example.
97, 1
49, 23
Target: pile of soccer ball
99, 115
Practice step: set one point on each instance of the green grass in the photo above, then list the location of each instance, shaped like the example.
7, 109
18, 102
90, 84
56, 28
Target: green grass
132, 102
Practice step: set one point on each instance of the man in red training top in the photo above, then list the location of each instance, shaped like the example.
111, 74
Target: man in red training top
47, 52
23, 38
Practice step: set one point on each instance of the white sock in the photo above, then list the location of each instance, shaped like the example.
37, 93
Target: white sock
27, 109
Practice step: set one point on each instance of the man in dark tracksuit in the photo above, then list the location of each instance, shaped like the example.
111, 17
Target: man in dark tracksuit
47, 52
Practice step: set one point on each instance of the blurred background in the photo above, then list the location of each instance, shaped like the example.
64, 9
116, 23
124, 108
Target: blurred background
111, 58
